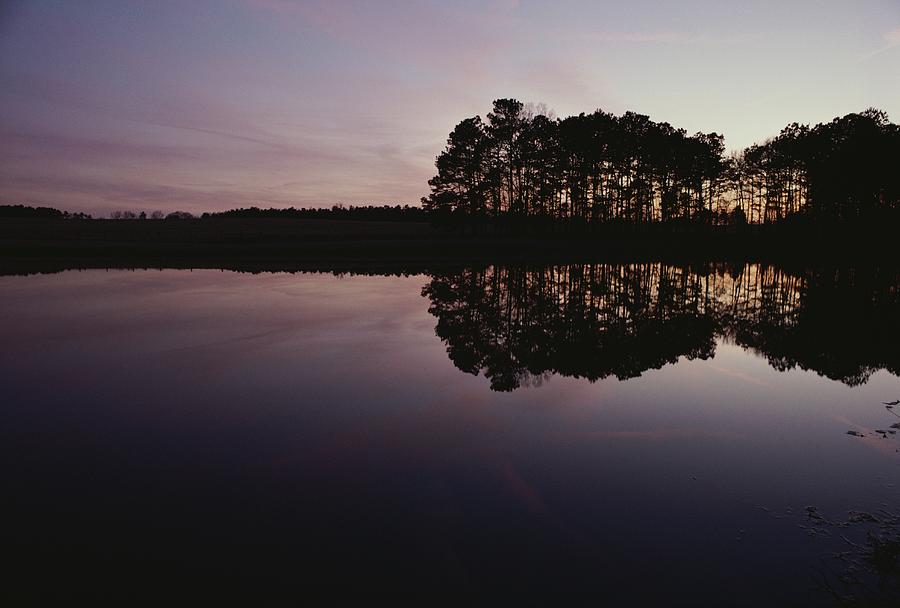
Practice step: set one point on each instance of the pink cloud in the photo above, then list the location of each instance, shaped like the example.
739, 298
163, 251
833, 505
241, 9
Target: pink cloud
650, 37
891, 40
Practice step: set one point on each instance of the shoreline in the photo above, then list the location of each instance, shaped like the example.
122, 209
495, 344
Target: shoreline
32, 245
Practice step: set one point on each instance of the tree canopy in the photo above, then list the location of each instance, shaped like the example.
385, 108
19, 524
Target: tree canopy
601, 167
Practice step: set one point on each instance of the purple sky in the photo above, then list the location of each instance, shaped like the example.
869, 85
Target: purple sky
211, 104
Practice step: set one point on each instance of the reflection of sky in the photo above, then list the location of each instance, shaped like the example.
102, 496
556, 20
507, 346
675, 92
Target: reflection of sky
361, 353
275, 384
209, 105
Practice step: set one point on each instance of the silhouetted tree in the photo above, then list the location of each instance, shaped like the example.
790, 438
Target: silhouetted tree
25, 211
460, 185
599, 167
180, 215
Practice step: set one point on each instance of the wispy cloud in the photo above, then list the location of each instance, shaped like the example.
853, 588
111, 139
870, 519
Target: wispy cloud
195, 156
431, 37
637, 36
891, 40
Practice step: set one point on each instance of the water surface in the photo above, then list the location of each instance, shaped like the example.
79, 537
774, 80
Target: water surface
593, 432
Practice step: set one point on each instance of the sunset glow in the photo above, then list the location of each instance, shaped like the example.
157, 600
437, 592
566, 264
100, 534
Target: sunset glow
210, 105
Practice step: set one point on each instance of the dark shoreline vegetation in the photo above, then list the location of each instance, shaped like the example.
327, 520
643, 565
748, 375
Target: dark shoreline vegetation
286, 243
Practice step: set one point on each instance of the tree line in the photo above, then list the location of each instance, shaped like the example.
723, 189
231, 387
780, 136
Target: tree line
26, 211
373, 213
396, 213
603, 168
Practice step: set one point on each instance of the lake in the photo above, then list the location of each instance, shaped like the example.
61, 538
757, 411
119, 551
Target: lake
621, 433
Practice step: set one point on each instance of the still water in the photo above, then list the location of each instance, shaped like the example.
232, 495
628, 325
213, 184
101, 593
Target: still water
597, 434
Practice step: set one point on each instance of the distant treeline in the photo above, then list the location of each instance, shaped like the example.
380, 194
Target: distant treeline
603, 168
384, 213
19, 211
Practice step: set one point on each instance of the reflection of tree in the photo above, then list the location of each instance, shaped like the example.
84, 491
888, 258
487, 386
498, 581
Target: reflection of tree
516, 324
841, 323
585, 321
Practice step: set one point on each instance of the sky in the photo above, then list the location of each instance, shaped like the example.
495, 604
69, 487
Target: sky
203, 105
